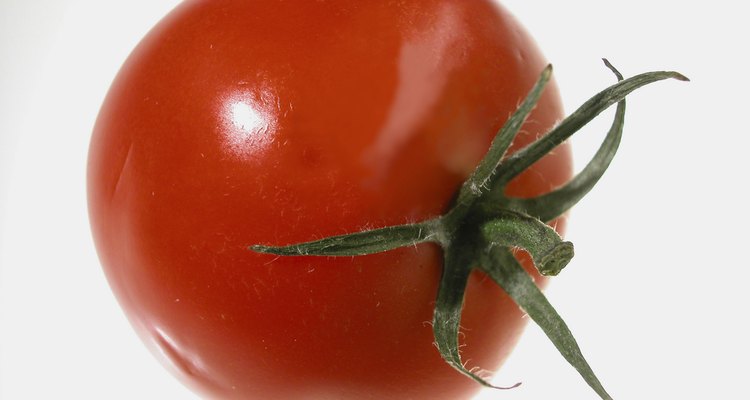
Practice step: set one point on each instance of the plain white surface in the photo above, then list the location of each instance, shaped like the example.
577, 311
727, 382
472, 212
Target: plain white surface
656, 292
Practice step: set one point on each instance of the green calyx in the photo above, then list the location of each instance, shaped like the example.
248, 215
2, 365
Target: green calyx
477, 233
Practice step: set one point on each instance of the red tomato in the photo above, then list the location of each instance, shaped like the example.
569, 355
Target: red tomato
243, 122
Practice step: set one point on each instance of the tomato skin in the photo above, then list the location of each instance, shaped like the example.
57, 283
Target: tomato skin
274, 122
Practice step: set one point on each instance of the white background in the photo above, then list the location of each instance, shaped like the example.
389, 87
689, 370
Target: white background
656, 293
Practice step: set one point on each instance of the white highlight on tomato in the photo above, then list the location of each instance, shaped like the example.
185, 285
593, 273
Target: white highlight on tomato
245, 117
250, 119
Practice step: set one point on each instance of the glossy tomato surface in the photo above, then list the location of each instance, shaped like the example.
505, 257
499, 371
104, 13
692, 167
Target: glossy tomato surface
243, 122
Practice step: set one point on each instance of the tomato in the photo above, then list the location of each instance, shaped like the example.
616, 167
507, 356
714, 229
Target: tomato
242, 122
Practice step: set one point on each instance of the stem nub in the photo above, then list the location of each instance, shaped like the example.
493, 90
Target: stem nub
513, 229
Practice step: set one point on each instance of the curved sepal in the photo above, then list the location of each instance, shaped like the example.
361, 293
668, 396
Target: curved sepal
553, 204
447, 318
522, 159
481, 179
506, 271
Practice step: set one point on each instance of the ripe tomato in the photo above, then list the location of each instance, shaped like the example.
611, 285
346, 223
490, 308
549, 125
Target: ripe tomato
242, 122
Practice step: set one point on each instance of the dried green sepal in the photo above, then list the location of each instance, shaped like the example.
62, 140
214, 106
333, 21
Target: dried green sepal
500, 265
553, 204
